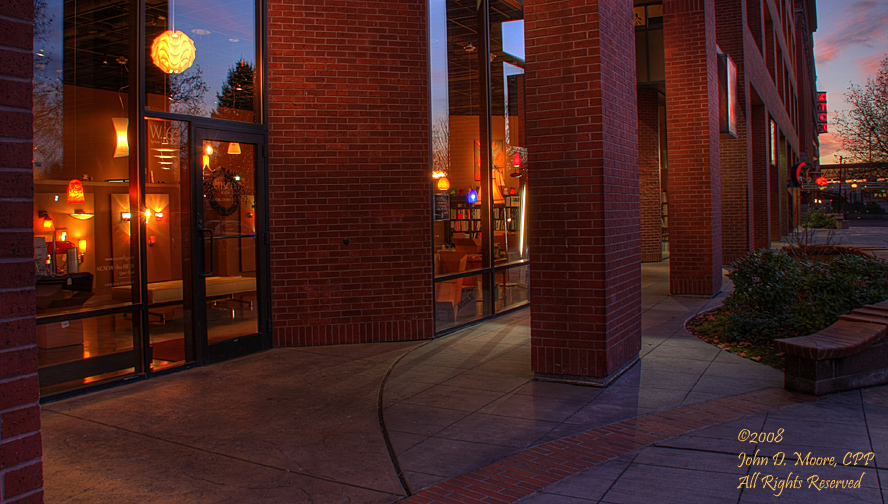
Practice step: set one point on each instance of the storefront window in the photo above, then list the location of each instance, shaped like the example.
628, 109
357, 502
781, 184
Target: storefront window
117, 237
215, 75
84, 259
479, 158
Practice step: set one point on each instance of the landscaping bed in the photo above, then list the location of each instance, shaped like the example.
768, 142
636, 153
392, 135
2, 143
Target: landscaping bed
787, 293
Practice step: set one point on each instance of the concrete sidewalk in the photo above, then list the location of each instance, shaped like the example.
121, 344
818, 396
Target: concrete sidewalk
459, 418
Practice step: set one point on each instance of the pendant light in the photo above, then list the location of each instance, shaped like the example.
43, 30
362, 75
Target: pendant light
75, 192
172, 51
120, 126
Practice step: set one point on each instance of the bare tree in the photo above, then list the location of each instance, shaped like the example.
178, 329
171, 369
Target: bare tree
441, 145
187, 91
864, 128
47, 110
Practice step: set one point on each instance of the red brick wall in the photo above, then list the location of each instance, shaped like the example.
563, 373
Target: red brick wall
349, 160
695, 212
649, 174
21, 468
761, 178
583, 207
735, 153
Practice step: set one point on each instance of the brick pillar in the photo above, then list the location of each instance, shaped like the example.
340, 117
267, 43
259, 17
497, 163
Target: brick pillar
21, 469
583, 207
649, 174
760, 177
735, 152
695, 240
349, 171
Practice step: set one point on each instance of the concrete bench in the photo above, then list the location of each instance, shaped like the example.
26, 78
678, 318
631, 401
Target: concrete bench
850, 354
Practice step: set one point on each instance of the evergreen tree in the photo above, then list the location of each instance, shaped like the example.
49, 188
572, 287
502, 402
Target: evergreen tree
237, 91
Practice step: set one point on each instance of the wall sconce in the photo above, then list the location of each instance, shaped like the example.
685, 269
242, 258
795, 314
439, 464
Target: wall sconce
75, 192
147, 214
121, 124
126, 216
81, 248
47, 224
234, 148
152, 240
158, 215
81, 215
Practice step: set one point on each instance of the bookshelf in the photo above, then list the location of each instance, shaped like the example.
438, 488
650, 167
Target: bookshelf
466, 217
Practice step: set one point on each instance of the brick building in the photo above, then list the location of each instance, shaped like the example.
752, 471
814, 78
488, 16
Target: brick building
314, 172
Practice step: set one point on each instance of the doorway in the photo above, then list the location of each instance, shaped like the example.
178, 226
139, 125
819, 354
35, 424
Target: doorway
205, 301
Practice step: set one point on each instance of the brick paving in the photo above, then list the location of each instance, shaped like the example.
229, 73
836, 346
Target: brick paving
531, 470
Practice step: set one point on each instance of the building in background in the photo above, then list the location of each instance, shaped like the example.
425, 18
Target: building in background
186, 184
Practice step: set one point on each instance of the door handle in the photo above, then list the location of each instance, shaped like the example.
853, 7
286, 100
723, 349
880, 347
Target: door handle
204, 232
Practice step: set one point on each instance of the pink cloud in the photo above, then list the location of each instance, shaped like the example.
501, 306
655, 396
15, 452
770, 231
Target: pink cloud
870, 66
829, 146
864, 23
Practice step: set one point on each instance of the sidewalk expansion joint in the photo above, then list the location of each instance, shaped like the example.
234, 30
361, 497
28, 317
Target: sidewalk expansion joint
525, 473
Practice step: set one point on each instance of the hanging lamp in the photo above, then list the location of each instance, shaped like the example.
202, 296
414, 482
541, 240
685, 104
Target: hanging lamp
75, 192
172, 51
120, 126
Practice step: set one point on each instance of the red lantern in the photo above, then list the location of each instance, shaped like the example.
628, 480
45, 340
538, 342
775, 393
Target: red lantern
821, 181
75, 192
516, 161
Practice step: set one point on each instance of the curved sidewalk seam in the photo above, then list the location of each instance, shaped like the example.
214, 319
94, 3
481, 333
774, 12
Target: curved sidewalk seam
533, 469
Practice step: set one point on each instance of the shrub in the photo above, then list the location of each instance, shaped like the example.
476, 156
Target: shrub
765, 287
776, 296
817, 218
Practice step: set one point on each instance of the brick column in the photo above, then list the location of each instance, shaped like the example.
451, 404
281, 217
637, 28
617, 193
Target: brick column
583, 207
649, 174
21, 469
349, 171
760, 177
695, 241
735, 152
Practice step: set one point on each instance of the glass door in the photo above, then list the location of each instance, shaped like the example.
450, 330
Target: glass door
227, 224
203, 219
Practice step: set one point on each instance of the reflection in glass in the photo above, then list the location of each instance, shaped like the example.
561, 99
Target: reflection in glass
80, 110
229, 232
219, 82
460, 118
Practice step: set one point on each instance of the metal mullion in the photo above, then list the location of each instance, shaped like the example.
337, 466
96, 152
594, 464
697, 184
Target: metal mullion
485, 125
136, 136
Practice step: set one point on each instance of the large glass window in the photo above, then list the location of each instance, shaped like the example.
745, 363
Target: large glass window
112, 222
82, 249
201, 58
479, 158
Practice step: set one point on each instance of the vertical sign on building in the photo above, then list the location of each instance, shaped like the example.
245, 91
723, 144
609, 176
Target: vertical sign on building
820, 112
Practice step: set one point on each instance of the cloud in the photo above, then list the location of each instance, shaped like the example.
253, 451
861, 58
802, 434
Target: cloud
870, 66
829, 146
863, 23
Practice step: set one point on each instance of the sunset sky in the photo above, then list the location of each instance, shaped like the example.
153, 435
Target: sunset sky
850, 42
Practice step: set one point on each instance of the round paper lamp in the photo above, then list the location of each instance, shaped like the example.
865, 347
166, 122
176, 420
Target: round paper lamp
443, 184
172, 52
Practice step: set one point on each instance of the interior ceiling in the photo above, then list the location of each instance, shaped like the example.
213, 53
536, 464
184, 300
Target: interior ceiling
462, 64
97, 36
